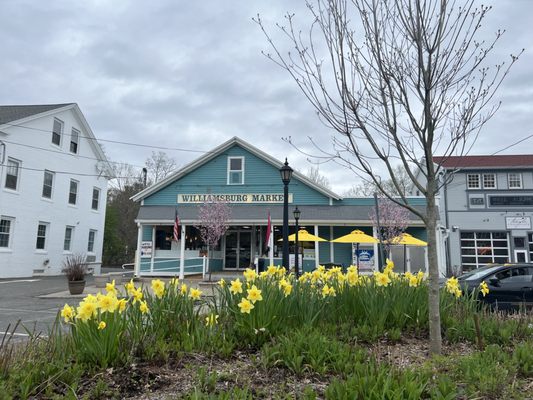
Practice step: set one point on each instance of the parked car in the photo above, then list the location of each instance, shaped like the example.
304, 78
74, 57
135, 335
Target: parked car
510, 285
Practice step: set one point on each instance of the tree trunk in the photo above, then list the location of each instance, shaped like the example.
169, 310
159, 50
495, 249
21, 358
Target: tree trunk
435, 337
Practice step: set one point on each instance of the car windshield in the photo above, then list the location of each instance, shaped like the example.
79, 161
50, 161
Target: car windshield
480, 272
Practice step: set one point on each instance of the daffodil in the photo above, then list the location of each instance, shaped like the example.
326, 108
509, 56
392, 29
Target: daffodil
413, 281
254, 294
236, 286
137, 295
143, 307
67, 313
183, 289
272, 270
174, 282
211, 319
452, 284
222, 282
352, 268
122, 305
86, 310
130, 287
91, 299
246, 306
110, 287
484, 288
249, 274
328, 291
101, 325
382, 278
195, 294
108, 303
352, 277
158, 286
287, 289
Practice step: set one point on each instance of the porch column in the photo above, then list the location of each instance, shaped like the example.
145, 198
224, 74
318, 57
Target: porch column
271, 245
376, 255
408, 252
153, 250
182, 252
317, 252
138, 252
331, 246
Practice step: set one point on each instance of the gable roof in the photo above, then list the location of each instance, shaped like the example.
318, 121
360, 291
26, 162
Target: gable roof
15, 112
496, 161
217, 151
17, 115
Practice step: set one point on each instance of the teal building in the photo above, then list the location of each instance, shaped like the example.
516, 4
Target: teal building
248, 180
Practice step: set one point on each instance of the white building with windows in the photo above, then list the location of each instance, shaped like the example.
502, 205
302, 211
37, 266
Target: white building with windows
53, 189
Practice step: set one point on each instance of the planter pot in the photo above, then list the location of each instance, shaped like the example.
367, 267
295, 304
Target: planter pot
76, 287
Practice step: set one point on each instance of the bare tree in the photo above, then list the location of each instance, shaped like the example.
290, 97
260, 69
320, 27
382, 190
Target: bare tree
368, 188
213, 217
159, 166
313, 173
124, 175
414, 83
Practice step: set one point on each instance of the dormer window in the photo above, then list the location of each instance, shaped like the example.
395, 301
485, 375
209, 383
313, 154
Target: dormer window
235, 170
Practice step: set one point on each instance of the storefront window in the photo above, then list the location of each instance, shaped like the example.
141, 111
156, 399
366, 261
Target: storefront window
163, 237
481, 248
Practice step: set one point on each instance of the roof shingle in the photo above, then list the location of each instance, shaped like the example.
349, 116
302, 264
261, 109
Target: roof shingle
14, 113
496, 161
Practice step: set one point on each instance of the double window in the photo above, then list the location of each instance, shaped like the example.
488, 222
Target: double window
12, 174
42, 230
74, 140
6, 229
57, 132
48, 184
474, 181
235, 170
69, 233
514, 181
95, 199
90, 242
73, 192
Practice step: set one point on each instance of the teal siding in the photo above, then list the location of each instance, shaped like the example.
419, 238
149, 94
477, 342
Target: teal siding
369, 201
147, 233
323, 247
342, 252
259, 177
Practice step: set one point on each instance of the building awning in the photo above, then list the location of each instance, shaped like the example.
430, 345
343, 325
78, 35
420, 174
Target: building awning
339, 215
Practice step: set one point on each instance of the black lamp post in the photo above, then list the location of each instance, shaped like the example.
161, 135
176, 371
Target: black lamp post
286, 174
296, 214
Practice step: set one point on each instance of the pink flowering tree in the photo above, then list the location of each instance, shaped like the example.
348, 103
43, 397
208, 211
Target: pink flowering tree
213, 217
393, 220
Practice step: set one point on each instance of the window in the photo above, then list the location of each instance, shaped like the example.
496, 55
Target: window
67, 243
235, 170
477, 201
5, 232
48, 183
489, 181
73, 192
482, 248
96, 198
74, 140
504, 201
472, 181
514, 275
41, 236
12, 174
514, 181
163, 237
90, 243
57, 132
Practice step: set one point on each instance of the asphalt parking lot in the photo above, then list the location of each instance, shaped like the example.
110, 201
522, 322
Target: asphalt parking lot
19, 300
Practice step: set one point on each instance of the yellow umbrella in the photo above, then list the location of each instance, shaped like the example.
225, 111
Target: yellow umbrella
406, 240
356, 237
304, 236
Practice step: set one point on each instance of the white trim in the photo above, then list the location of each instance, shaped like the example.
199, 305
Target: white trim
317, 252
69, 192
495, 181
72, 129
478, 179
52, 186
521, 181
331, 246
46, 236
10, 233
137, 267
182, 251
228, 171
216, 152
19, 175
61, 133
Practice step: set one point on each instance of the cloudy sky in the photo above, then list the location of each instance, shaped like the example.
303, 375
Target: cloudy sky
190, 74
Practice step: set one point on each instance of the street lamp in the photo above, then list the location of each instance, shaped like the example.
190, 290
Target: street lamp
296, 214
286, 174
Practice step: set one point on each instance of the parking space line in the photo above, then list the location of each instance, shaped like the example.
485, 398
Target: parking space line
29, 311
20, 280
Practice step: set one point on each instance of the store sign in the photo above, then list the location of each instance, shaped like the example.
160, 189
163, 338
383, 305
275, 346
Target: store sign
146, 249
366, 257
518, 222
235, 198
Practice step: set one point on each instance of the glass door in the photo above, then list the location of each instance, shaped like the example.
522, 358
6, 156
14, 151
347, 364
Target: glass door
238, 249
232, 242
245, 249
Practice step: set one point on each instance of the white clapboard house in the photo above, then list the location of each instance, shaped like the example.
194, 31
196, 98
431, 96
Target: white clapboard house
53, 188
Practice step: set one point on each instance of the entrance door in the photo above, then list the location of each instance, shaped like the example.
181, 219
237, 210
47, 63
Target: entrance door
238, 249
520, 256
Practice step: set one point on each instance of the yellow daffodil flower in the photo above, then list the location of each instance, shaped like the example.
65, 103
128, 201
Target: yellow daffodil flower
328, 291
122, 305
352, 268
272, 270
183, 289
158, 286
382, 278
249, 274
67, 313
101, 325
222, 282
484, 288
254, 294
110, 288
86, 310
143, 307
246, 306
236, 286
137, 295
195, 294
91, 299
352, 277
174, 282
413, 281
130, 287
108, 303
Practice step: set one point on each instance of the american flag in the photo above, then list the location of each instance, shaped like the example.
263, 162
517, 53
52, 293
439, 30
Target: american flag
176, 226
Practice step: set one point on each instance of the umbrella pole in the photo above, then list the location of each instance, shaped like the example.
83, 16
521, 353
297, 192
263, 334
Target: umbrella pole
357, 253
404, 259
